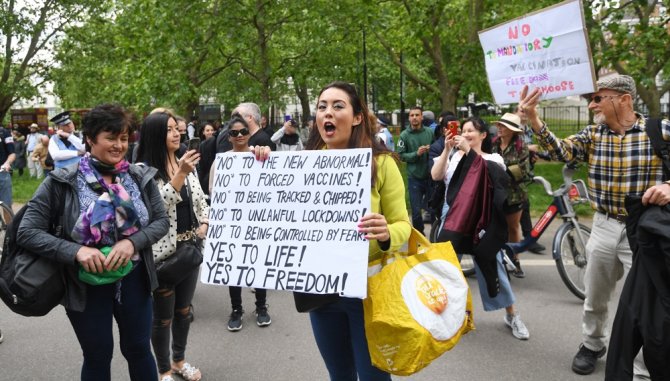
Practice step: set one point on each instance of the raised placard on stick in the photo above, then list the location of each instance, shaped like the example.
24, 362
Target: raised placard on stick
547, 49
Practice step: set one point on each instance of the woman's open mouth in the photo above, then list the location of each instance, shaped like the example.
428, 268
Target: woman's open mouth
329, 128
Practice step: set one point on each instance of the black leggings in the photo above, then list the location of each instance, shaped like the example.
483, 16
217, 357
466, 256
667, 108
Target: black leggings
172, 302
236, 297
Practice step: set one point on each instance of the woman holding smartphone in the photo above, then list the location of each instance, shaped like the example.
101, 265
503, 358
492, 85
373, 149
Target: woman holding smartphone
475, 137
187, 210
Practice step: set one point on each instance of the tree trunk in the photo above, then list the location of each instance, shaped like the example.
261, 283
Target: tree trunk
191, 108
449, 96
652, 98
303, 97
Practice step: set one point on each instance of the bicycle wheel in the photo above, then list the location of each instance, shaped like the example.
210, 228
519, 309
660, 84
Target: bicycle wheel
572, 258
6, 215
467, 262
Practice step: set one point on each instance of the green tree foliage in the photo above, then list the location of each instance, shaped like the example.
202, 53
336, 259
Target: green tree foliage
147, 53
27, 31
143, 54
631, 37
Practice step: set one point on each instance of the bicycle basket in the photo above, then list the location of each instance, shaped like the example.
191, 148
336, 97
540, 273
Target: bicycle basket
578, 193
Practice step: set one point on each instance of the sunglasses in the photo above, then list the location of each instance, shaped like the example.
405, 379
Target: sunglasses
596, 99
236, 133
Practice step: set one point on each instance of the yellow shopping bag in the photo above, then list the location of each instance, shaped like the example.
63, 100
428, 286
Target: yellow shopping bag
417, 308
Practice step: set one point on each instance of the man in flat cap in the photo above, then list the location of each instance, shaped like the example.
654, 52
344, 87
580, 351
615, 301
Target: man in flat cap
621, 161
65, 147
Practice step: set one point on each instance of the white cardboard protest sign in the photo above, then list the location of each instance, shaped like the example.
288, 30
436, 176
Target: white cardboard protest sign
547, 49
290, 222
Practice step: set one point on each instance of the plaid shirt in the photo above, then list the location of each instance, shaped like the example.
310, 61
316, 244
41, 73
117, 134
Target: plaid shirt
617, 165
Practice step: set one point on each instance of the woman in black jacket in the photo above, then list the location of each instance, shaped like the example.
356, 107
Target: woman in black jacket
108, 204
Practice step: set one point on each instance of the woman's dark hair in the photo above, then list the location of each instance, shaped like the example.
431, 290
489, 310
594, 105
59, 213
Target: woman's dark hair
447, 117
362, 135
237, 119
482, 127
152, 149
108, 117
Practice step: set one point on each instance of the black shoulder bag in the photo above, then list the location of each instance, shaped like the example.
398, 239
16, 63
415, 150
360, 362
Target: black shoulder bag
31, 284
186, 257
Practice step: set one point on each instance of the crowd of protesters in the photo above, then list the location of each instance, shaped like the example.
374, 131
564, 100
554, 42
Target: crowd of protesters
161, 183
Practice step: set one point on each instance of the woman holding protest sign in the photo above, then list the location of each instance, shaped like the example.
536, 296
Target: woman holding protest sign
106, 204
188, 213
343, 122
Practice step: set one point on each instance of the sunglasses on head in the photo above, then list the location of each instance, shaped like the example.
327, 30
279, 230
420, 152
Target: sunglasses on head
236, 133
597, 98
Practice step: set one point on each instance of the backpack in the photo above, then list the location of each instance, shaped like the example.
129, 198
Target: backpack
661, 147
30, 284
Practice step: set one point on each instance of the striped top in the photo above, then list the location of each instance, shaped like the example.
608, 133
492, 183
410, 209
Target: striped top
618, 165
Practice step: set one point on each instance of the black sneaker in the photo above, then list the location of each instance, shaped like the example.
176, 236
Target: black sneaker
585, 360
536, 248
262, 316
235, 321
518, 271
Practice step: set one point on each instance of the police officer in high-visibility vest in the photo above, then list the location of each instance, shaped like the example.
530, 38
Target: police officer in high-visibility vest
65, 147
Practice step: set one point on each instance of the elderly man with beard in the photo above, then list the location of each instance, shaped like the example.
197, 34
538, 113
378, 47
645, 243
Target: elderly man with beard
621, 161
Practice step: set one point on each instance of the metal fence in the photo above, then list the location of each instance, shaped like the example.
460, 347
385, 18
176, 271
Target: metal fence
563, 120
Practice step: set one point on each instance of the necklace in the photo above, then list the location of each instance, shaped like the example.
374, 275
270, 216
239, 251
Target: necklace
173, 167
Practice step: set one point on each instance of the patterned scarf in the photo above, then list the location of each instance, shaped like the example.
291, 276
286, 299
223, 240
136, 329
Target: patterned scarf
113, 212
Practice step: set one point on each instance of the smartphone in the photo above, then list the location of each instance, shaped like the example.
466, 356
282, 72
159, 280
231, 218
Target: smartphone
453, 125
194, 143
287, 117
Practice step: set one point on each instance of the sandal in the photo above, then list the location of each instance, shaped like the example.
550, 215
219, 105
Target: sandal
188, 372
167, 378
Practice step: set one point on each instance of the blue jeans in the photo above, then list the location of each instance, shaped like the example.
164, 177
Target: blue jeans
419, 194
505, 297
133, 313
6, 188
339, 331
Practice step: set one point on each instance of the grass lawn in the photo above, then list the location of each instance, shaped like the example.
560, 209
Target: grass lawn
23, 187
552, 172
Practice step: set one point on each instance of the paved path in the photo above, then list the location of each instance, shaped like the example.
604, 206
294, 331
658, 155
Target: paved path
46, 348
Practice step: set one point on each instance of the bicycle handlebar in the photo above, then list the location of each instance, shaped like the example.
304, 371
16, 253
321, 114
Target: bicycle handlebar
568, 171
545, 184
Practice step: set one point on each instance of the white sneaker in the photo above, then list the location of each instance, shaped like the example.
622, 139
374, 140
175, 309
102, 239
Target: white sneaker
519, 329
